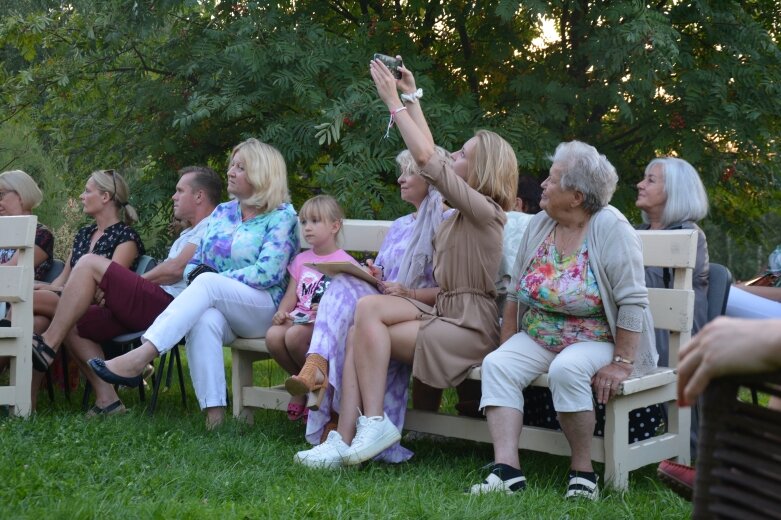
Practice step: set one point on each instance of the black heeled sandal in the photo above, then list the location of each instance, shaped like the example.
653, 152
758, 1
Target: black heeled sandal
40, 364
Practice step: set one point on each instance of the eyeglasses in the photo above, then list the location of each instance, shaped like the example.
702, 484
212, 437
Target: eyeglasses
4, 193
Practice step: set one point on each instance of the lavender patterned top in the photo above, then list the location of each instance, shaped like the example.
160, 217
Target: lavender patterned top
395, 245
255, 252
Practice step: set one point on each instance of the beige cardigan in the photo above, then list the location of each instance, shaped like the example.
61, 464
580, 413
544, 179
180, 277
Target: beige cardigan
616, 258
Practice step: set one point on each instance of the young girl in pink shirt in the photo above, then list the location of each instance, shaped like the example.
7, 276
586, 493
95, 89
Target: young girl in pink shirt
288, 338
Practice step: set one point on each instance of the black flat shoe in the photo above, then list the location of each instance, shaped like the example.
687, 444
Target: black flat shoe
101, 370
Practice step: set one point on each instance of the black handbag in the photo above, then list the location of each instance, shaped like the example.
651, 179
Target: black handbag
199, 270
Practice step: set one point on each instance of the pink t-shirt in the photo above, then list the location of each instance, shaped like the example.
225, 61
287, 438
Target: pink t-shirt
309, 282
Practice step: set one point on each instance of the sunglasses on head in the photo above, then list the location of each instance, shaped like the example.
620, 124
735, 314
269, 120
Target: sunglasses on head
113, 180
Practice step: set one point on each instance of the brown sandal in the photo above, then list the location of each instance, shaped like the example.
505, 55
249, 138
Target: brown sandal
306, 381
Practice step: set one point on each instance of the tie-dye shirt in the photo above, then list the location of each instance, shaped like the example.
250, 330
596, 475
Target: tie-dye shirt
563, 298
255, 252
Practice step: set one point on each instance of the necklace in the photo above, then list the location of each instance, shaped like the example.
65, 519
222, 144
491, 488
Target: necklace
564, 246
248, 216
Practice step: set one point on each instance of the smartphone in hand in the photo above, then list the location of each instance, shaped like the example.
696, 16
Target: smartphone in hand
392, 63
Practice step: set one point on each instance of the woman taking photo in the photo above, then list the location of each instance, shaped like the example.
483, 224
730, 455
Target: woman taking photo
237, 278
440, 342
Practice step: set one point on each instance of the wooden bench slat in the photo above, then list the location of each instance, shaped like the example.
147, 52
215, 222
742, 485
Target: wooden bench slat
14, 283
16, 232
10, 332
669, 248
671, 308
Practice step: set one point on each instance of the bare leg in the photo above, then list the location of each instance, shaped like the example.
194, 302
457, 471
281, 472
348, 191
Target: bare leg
505, 425
351, 393
297, 340
45, 303
214, 417
76, 297
83, 350
385, 328
578, 427
275, 342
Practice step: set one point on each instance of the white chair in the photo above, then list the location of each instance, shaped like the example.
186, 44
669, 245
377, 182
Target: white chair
16, 290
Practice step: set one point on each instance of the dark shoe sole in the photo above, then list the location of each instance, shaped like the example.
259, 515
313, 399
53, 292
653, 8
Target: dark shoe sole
678, 487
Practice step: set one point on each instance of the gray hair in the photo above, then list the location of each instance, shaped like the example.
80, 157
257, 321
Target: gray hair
687, 200
586, 171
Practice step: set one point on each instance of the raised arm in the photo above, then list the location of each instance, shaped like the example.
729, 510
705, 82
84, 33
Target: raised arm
406, 85
413, 128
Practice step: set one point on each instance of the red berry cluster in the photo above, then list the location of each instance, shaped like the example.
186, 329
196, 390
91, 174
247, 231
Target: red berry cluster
677, 122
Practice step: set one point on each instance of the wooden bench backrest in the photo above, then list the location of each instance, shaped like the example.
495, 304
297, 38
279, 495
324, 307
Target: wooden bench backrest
358, 235
672, 308
16, 290
672, 249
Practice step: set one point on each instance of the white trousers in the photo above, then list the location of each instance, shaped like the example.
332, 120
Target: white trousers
210, 313
743, 304
516, 363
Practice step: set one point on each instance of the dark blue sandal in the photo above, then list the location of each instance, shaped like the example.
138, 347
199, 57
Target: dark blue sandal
40, 363
102, 371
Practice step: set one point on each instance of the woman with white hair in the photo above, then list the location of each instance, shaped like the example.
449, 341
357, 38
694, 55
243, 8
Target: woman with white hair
19, 195
672, 196
577, 309
236, 278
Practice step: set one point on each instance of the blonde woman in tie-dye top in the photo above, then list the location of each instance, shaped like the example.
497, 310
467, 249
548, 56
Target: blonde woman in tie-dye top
237, 278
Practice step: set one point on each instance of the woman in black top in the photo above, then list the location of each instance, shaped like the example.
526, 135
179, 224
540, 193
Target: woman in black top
105, 198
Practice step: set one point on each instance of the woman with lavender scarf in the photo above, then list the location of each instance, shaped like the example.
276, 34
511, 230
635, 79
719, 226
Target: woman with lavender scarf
404, 266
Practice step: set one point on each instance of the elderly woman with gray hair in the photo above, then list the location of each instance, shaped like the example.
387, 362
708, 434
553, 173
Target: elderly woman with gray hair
672, 196
577, 309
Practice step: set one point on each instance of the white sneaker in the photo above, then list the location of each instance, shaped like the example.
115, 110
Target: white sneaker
373, 435
328, 454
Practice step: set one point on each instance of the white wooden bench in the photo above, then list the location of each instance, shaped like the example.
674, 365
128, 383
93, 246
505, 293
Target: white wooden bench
672, 309
16, 290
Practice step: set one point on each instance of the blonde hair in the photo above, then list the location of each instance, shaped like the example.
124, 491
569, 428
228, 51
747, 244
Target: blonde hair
266, 173
24, 186
494, 169
322, 208
111, 182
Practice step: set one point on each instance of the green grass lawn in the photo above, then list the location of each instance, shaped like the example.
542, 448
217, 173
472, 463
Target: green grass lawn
59, 465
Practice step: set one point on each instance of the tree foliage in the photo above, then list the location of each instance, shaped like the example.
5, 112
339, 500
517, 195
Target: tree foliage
152, 86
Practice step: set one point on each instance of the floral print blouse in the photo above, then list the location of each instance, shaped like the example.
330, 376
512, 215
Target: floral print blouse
112, 237
255, 252
563, 298
43, 239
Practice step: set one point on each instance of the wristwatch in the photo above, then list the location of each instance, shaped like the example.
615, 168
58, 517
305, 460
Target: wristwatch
620, 359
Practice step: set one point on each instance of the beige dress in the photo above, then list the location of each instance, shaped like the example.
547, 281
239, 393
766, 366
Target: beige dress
463, 326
